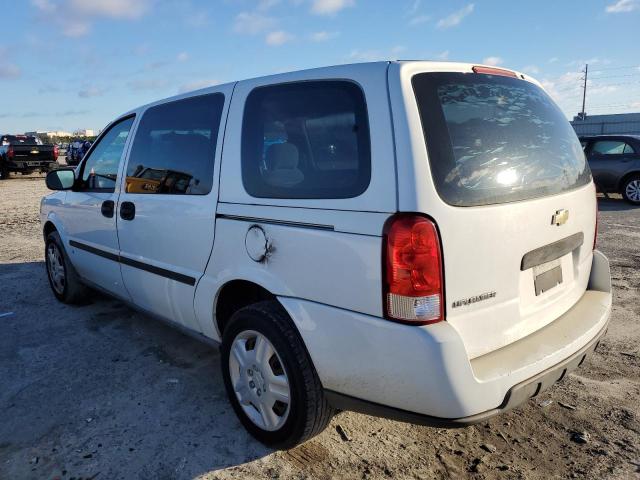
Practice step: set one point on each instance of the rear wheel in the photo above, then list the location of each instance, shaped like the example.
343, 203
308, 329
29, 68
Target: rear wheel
63, 279
270, 380
631, 190
4, 172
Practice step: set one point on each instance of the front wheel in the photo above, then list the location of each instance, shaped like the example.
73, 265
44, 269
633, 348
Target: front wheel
270, 380
63, 279
631, 190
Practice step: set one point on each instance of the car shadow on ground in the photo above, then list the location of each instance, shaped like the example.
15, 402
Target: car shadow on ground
614, 203
102, 388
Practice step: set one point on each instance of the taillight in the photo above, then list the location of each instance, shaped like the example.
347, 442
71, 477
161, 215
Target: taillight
10, 152
412, 275
494, 71
55, 152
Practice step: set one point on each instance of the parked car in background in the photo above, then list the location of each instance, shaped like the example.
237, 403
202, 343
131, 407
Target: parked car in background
77, 150
25, 154
615, 164
414, 240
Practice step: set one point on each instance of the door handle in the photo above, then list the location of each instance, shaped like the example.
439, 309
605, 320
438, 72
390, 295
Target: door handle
107, 208
127, 211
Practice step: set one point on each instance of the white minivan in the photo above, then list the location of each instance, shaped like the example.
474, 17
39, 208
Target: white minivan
414, 240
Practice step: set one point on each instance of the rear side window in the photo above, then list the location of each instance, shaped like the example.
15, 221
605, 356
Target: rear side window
494, 139
306, 140
174, 148
611, 147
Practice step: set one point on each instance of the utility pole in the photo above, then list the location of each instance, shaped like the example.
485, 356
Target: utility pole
584, 91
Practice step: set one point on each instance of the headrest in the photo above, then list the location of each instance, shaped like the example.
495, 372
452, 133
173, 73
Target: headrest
282, 156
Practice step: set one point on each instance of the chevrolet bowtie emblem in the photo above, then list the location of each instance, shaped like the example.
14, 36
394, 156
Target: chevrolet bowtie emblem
560, 217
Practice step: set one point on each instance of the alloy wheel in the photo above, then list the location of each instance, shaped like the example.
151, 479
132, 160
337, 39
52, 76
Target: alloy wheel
632, 190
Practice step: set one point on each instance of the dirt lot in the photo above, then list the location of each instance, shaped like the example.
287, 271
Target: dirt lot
100, 391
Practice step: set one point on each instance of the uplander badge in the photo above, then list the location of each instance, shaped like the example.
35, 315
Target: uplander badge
475, 299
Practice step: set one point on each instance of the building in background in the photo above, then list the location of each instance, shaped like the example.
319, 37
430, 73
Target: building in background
84, 132
52, 134
618, 123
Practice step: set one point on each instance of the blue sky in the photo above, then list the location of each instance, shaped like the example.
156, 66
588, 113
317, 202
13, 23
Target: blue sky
68, 64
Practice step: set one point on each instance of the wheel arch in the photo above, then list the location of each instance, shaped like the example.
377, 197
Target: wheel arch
234, 295
626, 177
49, 227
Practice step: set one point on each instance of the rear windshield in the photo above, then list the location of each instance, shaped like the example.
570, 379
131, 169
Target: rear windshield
19, 140
495, 139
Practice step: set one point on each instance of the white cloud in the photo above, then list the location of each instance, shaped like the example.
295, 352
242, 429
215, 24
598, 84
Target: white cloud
330, 7
44, 5
182, 57
267, 4
323, 36
277, 38
419, 19
456, 17
109, 8
9, 71
622, 6
197, 85
147, 84
374, 55
91, 91
444, 55
493, 61
74, 18
566, 90
532, 69
197, 19
553, 59
415, 6
250, 23
76, 29
141, 50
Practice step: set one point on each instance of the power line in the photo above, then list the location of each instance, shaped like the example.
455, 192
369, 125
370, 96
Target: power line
617, 76
613, 105
618, 68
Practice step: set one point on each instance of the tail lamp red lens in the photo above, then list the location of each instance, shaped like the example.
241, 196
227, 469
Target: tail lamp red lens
10, 152
413, 290
55, 152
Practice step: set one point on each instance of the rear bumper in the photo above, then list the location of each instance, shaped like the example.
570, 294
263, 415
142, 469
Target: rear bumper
423, 374
22, 165
515, 396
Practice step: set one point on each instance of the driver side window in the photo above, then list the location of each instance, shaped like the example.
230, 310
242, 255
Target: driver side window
100, 169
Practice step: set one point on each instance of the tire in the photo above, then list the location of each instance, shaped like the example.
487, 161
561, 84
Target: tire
4, 173
307, 412
63, 278
631, 190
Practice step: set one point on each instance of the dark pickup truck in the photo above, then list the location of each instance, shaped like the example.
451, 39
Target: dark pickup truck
24, 154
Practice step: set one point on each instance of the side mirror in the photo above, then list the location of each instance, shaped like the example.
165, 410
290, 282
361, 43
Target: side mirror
62, 179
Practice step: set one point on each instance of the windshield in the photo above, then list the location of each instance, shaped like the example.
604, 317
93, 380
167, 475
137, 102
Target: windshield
495, 139
20, 139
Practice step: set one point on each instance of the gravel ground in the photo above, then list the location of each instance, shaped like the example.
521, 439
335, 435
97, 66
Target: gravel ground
100, 391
